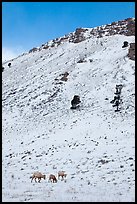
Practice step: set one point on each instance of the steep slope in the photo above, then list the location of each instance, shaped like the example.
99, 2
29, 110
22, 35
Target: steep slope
93, 144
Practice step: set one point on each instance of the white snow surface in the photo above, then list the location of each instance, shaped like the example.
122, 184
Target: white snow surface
93, 144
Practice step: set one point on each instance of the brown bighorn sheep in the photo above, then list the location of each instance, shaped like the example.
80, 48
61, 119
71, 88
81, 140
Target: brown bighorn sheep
38, 175
62, 174
52, 178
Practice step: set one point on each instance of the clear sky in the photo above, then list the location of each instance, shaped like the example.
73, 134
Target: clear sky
30, 24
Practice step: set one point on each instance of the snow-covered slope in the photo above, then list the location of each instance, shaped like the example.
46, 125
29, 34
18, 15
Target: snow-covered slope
94, 144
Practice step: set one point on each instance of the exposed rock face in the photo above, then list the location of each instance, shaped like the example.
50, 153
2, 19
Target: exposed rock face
130, 27
78, 35
131, 51
122, 27
33, 50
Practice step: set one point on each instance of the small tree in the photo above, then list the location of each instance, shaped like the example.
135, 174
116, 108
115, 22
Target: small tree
9, 64
75, 102
117, 99
117, 104
125, 44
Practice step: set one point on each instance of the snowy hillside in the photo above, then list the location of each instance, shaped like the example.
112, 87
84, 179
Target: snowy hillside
94, 144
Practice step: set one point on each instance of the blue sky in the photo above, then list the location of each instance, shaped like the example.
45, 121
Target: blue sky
30, 24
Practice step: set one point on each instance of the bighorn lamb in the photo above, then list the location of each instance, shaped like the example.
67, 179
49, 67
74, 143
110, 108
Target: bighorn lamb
52, 178
62, 174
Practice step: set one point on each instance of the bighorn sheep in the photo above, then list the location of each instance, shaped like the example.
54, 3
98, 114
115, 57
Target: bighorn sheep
52, 178
38, 175
62, 174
